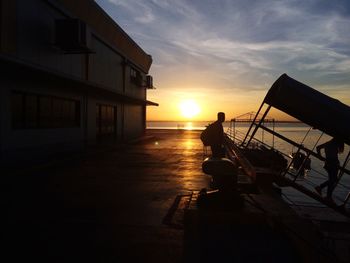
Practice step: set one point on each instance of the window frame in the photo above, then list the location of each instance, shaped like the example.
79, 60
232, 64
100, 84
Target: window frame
40, 117
107, 125
135, 76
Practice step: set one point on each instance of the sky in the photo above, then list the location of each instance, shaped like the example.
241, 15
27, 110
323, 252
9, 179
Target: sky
224, 55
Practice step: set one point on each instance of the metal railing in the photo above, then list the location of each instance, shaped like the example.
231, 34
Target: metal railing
239, 138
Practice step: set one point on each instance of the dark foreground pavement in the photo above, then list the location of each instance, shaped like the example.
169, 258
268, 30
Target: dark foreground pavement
107, 206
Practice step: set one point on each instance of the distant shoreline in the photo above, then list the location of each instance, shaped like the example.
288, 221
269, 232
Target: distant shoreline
201, 125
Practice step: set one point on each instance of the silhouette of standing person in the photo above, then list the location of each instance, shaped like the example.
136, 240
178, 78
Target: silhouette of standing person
217, 134
331, 149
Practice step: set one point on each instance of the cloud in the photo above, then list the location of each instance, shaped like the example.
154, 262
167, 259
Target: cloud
140, 11
240, 43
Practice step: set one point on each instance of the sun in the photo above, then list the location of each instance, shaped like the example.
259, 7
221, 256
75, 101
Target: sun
189, 108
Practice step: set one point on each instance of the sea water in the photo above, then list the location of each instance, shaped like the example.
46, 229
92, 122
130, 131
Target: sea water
297, 132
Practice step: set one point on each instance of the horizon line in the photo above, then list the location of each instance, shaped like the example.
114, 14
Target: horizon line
280, 121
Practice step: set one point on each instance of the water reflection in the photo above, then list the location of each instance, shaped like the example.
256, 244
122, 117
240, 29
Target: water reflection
188, 126
189, 144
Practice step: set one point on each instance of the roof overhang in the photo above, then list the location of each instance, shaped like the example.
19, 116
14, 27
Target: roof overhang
310, 106
151, 103
24, 71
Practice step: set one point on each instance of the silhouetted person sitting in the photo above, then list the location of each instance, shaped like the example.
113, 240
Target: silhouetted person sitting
213, 136
331, 148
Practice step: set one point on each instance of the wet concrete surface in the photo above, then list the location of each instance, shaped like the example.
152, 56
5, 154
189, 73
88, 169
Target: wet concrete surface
106, 206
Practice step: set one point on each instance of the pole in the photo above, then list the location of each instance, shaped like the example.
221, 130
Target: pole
251, 125
259, 125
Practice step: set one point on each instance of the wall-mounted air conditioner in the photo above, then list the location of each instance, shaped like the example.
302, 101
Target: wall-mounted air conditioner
72, 36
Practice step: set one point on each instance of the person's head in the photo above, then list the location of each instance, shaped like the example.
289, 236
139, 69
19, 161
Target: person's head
221, 116
340, 144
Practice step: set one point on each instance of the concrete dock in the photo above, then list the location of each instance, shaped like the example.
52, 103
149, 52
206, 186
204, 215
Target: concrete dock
104, 206
120, 203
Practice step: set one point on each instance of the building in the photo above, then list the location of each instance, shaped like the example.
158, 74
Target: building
69, 76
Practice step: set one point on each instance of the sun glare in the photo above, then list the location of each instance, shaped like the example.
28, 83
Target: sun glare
189, 108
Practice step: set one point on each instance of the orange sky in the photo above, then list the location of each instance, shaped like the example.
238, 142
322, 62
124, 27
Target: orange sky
225, 55
209, 100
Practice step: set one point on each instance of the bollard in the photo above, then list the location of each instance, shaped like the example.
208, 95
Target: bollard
223, 172
224, 180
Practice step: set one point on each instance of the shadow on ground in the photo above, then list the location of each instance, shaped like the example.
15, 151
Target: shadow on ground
104, 206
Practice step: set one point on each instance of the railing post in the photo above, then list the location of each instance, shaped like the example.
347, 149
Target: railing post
251, 125
258, 125
308, 153
341, 171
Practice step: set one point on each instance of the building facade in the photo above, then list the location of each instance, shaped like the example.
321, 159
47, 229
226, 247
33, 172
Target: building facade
69, 76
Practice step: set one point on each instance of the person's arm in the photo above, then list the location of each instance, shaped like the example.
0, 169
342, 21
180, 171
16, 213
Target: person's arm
222, 134
320, 147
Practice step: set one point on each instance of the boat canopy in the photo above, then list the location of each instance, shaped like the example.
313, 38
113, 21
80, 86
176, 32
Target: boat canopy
310, 106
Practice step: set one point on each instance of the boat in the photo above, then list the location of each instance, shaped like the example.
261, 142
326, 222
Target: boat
250, 221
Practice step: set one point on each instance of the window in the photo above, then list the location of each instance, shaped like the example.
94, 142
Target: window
135, 77
105, 119
45, 112
64, 113
17, 101
1, 26
32, 111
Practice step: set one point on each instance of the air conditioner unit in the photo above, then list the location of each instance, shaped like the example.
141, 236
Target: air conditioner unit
72, 36
149, 82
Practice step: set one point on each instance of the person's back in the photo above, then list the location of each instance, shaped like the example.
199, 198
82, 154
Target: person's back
217, 133
217, 139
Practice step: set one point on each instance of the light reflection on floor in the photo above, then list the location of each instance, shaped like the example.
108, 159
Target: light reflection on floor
176, 156
192, 177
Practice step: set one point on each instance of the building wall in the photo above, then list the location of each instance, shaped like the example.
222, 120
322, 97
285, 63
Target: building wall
36, 39
106, 66
8, 17
133, 89
27, 143
109, 69
35, 44
133, 121
3, 114
30, 38
101, 23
